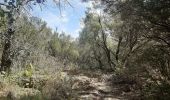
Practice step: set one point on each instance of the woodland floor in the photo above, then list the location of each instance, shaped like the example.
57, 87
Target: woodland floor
88, 85
98, 86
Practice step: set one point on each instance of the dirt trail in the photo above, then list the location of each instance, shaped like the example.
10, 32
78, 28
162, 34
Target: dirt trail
91, 86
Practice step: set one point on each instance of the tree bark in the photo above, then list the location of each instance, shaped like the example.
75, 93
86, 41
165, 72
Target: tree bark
6, 60
118, 48
105, 47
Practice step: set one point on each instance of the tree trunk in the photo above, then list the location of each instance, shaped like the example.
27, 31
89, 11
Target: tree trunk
6, 60
106, 49
118, 48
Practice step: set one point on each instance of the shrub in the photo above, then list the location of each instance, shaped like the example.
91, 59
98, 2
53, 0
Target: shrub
59, 87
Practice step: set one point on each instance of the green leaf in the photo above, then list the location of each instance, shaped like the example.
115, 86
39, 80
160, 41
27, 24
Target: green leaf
2, 14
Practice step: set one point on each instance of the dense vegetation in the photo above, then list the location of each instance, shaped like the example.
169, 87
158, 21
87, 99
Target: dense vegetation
128, 38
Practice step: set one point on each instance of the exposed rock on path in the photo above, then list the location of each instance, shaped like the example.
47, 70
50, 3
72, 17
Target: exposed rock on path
94, 86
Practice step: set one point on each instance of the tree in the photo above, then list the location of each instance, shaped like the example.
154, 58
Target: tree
63, 47
13, 8
144, 31
94, 37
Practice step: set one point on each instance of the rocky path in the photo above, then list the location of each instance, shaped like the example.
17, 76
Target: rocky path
95, 87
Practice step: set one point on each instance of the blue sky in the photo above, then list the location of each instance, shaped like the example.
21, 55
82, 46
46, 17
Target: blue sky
69, 20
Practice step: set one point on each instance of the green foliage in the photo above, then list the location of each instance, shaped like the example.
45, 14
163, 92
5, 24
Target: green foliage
156, 92
59, 87
94, 42
2, 14
34, 97
28, 71
63, 47
130, 35
144, 49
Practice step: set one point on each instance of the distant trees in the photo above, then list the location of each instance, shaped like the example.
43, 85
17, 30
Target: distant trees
10, 10
33, 42
63, 47
94, 39
30, 40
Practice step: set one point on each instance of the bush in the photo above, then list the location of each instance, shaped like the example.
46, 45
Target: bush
59, 87
154, 91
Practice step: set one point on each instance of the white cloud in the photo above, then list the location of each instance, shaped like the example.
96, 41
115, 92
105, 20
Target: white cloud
53, 20
88, 4
64, 17
51, 17
95, 6
66, 20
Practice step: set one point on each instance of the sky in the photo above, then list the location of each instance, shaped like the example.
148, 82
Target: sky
68, 20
